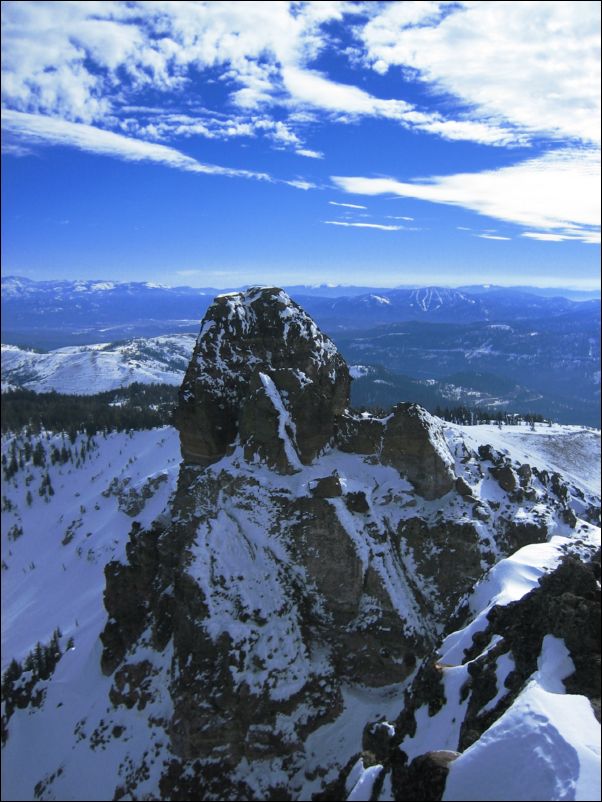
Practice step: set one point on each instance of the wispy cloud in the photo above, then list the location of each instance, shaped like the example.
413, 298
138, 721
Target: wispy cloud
347, 205
591, 237
298, 184
15, 149
492, 236
558, 191
309, 154
41, 129
361, 225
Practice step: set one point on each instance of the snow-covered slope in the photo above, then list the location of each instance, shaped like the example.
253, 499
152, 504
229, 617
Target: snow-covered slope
572, 451
53, 573
539, 741
48, 583
89, 369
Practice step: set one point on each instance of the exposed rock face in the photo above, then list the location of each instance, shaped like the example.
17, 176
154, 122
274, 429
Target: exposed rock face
413, 443
261, 368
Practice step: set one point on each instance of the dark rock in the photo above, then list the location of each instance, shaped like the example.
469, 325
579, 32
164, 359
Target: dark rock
360, 434
524, 474
517, 534
559, 487
413, 443
448, 553
327, 487
480, 512
323, 547
462, 486
377, 739
505, 476
357, 502
243, 335
569, 517
487, 452
131, 685
265, 427
424, 779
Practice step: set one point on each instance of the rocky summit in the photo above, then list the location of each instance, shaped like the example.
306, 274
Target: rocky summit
263, 372
321, 609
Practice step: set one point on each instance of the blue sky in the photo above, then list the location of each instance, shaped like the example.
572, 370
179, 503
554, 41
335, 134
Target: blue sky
219, 144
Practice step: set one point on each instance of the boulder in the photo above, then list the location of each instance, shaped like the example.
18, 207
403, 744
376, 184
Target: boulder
462, 486
425, 777
327, 487
357, 502
505, 477
524, 473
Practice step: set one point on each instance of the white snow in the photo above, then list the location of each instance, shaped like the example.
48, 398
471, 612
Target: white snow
285, 422
572, 451
48, 584
363, 781
88, 369
546, 745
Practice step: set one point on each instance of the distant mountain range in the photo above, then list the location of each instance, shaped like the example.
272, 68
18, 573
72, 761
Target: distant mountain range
501, 348
52, 314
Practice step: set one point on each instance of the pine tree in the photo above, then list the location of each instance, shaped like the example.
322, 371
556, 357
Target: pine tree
39, 455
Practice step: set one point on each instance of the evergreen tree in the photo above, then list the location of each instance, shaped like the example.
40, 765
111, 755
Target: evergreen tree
39, 455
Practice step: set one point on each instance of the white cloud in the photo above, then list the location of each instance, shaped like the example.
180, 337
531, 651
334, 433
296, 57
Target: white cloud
40, 129
309, 86
492, 236
13, 149
347, 205
534, 65
592, 237
309, 154
80, 61
399, 217
526, 69
558, 191
361, 225
299, 184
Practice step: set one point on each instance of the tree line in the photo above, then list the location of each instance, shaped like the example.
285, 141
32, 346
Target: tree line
139, 406
472, 416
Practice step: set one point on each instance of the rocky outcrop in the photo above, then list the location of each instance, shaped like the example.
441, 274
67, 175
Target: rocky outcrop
413, 443
261, 368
